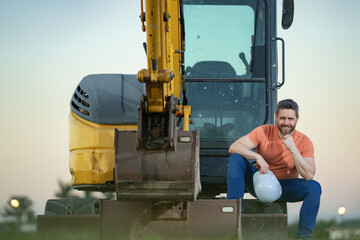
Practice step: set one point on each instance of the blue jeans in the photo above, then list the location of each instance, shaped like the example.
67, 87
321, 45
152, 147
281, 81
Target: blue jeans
240, 177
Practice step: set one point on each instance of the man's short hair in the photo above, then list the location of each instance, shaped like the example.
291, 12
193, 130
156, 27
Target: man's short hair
287, 104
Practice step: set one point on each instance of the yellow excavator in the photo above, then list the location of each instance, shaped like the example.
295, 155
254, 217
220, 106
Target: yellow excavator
159, 139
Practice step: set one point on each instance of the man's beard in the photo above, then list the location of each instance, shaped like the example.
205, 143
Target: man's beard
284, 131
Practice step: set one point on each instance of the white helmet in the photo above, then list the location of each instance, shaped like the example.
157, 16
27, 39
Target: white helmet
267, 187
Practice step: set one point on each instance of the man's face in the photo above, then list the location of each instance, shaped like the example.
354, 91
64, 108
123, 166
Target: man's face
286, 121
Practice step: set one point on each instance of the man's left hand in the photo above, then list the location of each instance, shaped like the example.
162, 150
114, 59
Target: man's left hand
288, 141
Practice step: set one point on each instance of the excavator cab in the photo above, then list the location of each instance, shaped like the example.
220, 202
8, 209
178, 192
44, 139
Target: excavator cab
227, 82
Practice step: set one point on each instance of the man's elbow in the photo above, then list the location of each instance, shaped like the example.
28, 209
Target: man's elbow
231, 149
309, 176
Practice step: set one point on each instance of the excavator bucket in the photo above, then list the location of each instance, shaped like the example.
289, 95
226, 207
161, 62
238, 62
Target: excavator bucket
157, 174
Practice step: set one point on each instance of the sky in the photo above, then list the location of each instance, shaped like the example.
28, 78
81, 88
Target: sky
47, 47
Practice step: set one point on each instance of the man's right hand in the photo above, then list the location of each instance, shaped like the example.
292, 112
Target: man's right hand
243, 147
262, 164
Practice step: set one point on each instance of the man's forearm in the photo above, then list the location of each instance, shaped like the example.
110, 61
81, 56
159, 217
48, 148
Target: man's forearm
243, 151
305, 166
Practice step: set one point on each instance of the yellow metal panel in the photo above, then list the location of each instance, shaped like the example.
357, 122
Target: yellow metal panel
162, 60
153, 29
92, 154
155, 99
89, 167
187, 115
174, 40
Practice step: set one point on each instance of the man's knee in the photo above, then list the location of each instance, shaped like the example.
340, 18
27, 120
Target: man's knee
236, 157
313, 187
236, 160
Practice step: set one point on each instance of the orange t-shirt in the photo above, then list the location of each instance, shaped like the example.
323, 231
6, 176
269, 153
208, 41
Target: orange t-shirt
270, 147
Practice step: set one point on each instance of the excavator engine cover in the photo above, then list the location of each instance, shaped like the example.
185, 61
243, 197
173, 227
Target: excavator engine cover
157, 175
